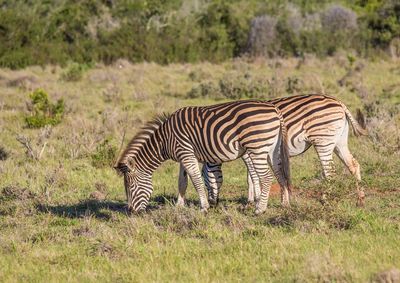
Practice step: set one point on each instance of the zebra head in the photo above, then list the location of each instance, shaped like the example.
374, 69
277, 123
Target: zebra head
138, 187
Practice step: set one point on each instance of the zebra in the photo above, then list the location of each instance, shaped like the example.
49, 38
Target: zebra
213, 134
311, 120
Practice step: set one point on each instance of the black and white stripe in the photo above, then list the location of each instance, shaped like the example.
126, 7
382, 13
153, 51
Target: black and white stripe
213, 134
311, 120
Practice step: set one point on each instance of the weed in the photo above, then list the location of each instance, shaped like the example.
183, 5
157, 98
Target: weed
74, 72
35, 148
105, 154
43, 112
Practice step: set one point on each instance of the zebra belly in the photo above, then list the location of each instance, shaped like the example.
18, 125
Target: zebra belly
233, 152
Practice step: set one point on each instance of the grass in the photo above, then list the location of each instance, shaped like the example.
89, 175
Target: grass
63, 218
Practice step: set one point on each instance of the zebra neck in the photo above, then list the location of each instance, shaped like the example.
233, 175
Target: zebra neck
152, 153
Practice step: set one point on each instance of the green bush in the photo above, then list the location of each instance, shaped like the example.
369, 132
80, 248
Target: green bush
49, 32
43, 112
384, 23
74, 72
105, 154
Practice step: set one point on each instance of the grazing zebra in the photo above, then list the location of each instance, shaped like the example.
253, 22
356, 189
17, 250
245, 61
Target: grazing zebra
317, 120
213, 134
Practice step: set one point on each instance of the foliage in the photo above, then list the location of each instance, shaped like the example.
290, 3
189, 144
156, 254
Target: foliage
262, 36
232, 85
105, 154
384, 23
74, 72
337, 18
45, 32
43, 112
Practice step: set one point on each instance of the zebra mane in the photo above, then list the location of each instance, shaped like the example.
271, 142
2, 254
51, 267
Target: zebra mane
123, 162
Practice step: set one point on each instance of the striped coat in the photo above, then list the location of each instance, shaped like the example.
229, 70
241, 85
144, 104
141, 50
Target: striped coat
311, 120
210, 134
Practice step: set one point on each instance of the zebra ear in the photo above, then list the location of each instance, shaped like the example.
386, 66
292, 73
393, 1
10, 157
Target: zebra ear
131, 163
122, 168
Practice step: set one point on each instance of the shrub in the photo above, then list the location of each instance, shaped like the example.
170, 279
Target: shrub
74, 72
105, 154
383, 24
232, 85
236, 86
262, 36
43, 112
337, 18
34, 148
205, 90
171, 31
339, 26
383, 126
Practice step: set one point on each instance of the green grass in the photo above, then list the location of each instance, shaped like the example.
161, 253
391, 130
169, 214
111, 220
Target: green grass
63, 218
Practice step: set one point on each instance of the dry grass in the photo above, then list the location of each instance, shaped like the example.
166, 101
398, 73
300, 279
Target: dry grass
68, 214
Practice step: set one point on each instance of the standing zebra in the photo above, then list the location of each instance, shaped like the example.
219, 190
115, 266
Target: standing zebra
311, 120
213, 134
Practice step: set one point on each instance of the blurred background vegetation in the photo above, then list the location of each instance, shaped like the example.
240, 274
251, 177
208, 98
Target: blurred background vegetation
36, 32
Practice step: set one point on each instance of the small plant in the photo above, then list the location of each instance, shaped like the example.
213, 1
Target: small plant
205, 89
232, 86
74, 72
36, 147
351, 58
43, 112
104, 155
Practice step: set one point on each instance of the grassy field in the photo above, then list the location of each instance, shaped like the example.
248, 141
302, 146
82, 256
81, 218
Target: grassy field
62, 206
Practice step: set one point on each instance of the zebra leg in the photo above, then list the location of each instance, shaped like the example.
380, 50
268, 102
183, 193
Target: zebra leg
182, 186
275, 162
324, 152
265, 177
260, 164
252, 180
343, 152
212, 175
191, 166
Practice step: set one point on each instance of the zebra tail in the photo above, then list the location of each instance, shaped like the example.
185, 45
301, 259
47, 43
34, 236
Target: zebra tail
357, 128
284, 149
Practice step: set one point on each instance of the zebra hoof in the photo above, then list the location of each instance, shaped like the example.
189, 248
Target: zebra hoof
212, 202
361, 199
180, 203
204, 210
250, 203
360, 202
259, 211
